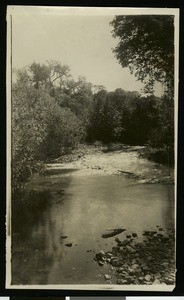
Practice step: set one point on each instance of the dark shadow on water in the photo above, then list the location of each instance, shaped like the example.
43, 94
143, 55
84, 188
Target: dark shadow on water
29, 206
58, 171
30, 211
26, 210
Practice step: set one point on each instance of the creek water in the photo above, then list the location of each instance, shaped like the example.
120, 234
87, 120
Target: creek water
80, 209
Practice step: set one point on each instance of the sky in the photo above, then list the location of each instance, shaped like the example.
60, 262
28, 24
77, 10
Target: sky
83, 42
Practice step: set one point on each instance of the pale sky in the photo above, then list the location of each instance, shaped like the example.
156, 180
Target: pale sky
83, 42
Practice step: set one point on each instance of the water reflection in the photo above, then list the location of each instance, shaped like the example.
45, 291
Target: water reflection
81, 212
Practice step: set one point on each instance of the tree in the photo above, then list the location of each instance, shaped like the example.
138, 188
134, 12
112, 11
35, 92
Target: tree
52, 74
41, 129
40, 74
146, 46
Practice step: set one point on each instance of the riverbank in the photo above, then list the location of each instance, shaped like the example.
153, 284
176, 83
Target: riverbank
114, 159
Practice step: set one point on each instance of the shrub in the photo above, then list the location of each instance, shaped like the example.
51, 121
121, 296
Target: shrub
41, 129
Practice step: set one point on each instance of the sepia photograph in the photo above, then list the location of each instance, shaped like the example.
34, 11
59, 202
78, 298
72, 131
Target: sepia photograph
92, 110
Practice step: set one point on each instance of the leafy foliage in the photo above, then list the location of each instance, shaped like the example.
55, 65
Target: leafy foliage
161, 139
146, 46
122, 116
41, 129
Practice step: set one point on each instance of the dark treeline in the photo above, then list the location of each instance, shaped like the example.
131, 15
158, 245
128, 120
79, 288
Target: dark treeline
52, 113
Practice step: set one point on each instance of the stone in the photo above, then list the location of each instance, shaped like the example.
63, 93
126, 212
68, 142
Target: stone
101, 263
107, 276
130, 249
109, 254
69, 245
124, 281
135, 266
141, 279
147, 277
157, 276
128, 236
145, 268
115, 262
149, 258
132, 271
120, 270
121, 276
134, 234
168, 280
165, 264
130, 279
160, 229
64, 236
119, 281
157, 281
160, 235
124, 243
146, 232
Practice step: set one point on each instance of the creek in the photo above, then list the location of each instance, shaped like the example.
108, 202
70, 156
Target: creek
57, 242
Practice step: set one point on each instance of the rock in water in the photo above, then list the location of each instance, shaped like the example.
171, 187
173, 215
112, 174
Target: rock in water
113, 232
69, 245
101, 263
134, 234
128, 236
64, 236
107, 276
147, 277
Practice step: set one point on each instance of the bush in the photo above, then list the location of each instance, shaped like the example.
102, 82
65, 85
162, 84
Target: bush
160, 155
64, 132
41, 129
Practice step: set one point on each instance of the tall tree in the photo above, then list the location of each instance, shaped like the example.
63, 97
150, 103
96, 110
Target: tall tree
146, 46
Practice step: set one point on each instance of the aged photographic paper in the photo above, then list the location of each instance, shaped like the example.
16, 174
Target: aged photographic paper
92, 99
